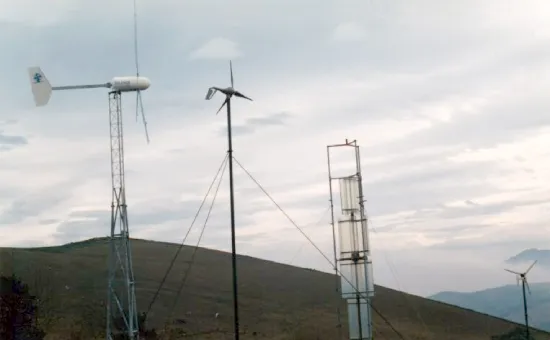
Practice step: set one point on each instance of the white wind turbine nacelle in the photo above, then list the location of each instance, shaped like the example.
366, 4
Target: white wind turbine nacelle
42, 89
129, 84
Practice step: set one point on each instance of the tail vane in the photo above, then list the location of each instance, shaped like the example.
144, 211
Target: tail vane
210, 93
41, 88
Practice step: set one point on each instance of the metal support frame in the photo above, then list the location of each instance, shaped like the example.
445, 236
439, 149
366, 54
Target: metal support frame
121, 299
359, 311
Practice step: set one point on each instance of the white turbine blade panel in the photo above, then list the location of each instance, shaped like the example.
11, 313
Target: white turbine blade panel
358, 319
132, 83
527, 286
370, 277
353, 258
349, 195
40, 86
513, 272
365, 234
351, 237
353, 279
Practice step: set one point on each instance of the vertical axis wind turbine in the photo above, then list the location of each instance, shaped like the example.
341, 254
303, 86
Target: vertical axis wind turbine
230, 92
523, 278
356, 271
121, 299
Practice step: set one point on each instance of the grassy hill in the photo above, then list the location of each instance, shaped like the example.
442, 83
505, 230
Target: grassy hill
506, 302
276, 301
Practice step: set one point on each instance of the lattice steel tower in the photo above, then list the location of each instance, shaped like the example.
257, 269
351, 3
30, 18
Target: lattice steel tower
121, 300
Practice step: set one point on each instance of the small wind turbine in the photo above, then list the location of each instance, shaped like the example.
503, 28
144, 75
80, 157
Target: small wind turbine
523, 278
121, 304
230, 92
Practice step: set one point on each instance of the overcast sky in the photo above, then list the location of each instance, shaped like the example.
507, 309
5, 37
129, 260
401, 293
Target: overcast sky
448, 100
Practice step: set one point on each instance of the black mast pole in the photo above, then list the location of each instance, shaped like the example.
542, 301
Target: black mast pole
525, 309
232, 208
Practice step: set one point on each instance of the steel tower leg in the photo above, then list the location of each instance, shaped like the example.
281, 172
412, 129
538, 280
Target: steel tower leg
121, 300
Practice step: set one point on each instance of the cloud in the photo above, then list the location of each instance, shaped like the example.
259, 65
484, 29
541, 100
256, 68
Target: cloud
451, 119
32, 205
251, 125
217, 48
7, 140
349, 32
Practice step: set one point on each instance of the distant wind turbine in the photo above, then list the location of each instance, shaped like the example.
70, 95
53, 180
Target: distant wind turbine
523, 278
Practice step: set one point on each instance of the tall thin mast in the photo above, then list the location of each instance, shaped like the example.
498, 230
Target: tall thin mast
232, 208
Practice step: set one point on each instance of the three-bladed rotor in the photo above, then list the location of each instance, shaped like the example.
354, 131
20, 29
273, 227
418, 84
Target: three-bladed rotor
228, 91
522, 277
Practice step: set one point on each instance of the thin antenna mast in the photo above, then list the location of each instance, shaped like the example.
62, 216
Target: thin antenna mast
230, 92
354, 251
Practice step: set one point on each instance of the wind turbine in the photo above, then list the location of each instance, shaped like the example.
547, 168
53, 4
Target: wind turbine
230, 92
121, 304
523, 278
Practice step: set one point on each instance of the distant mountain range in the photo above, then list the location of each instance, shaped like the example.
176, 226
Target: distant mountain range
541, 255
507, 301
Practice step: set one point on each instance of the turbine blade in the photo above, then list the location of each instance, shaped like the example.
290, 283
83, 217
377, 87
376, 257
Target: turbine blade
223, 104
231, 72
143, 116
513, 272
137, 105
238, 94
531, 266
527, 285
210, 93
136, 57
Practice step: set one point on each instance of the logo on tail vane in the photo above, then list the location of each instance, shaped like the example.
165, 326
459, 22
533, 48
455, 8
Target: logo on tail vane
37, 77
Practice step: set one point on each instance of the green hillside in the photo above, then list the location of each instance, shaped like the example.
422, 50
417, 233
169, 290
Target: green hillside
276, 301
